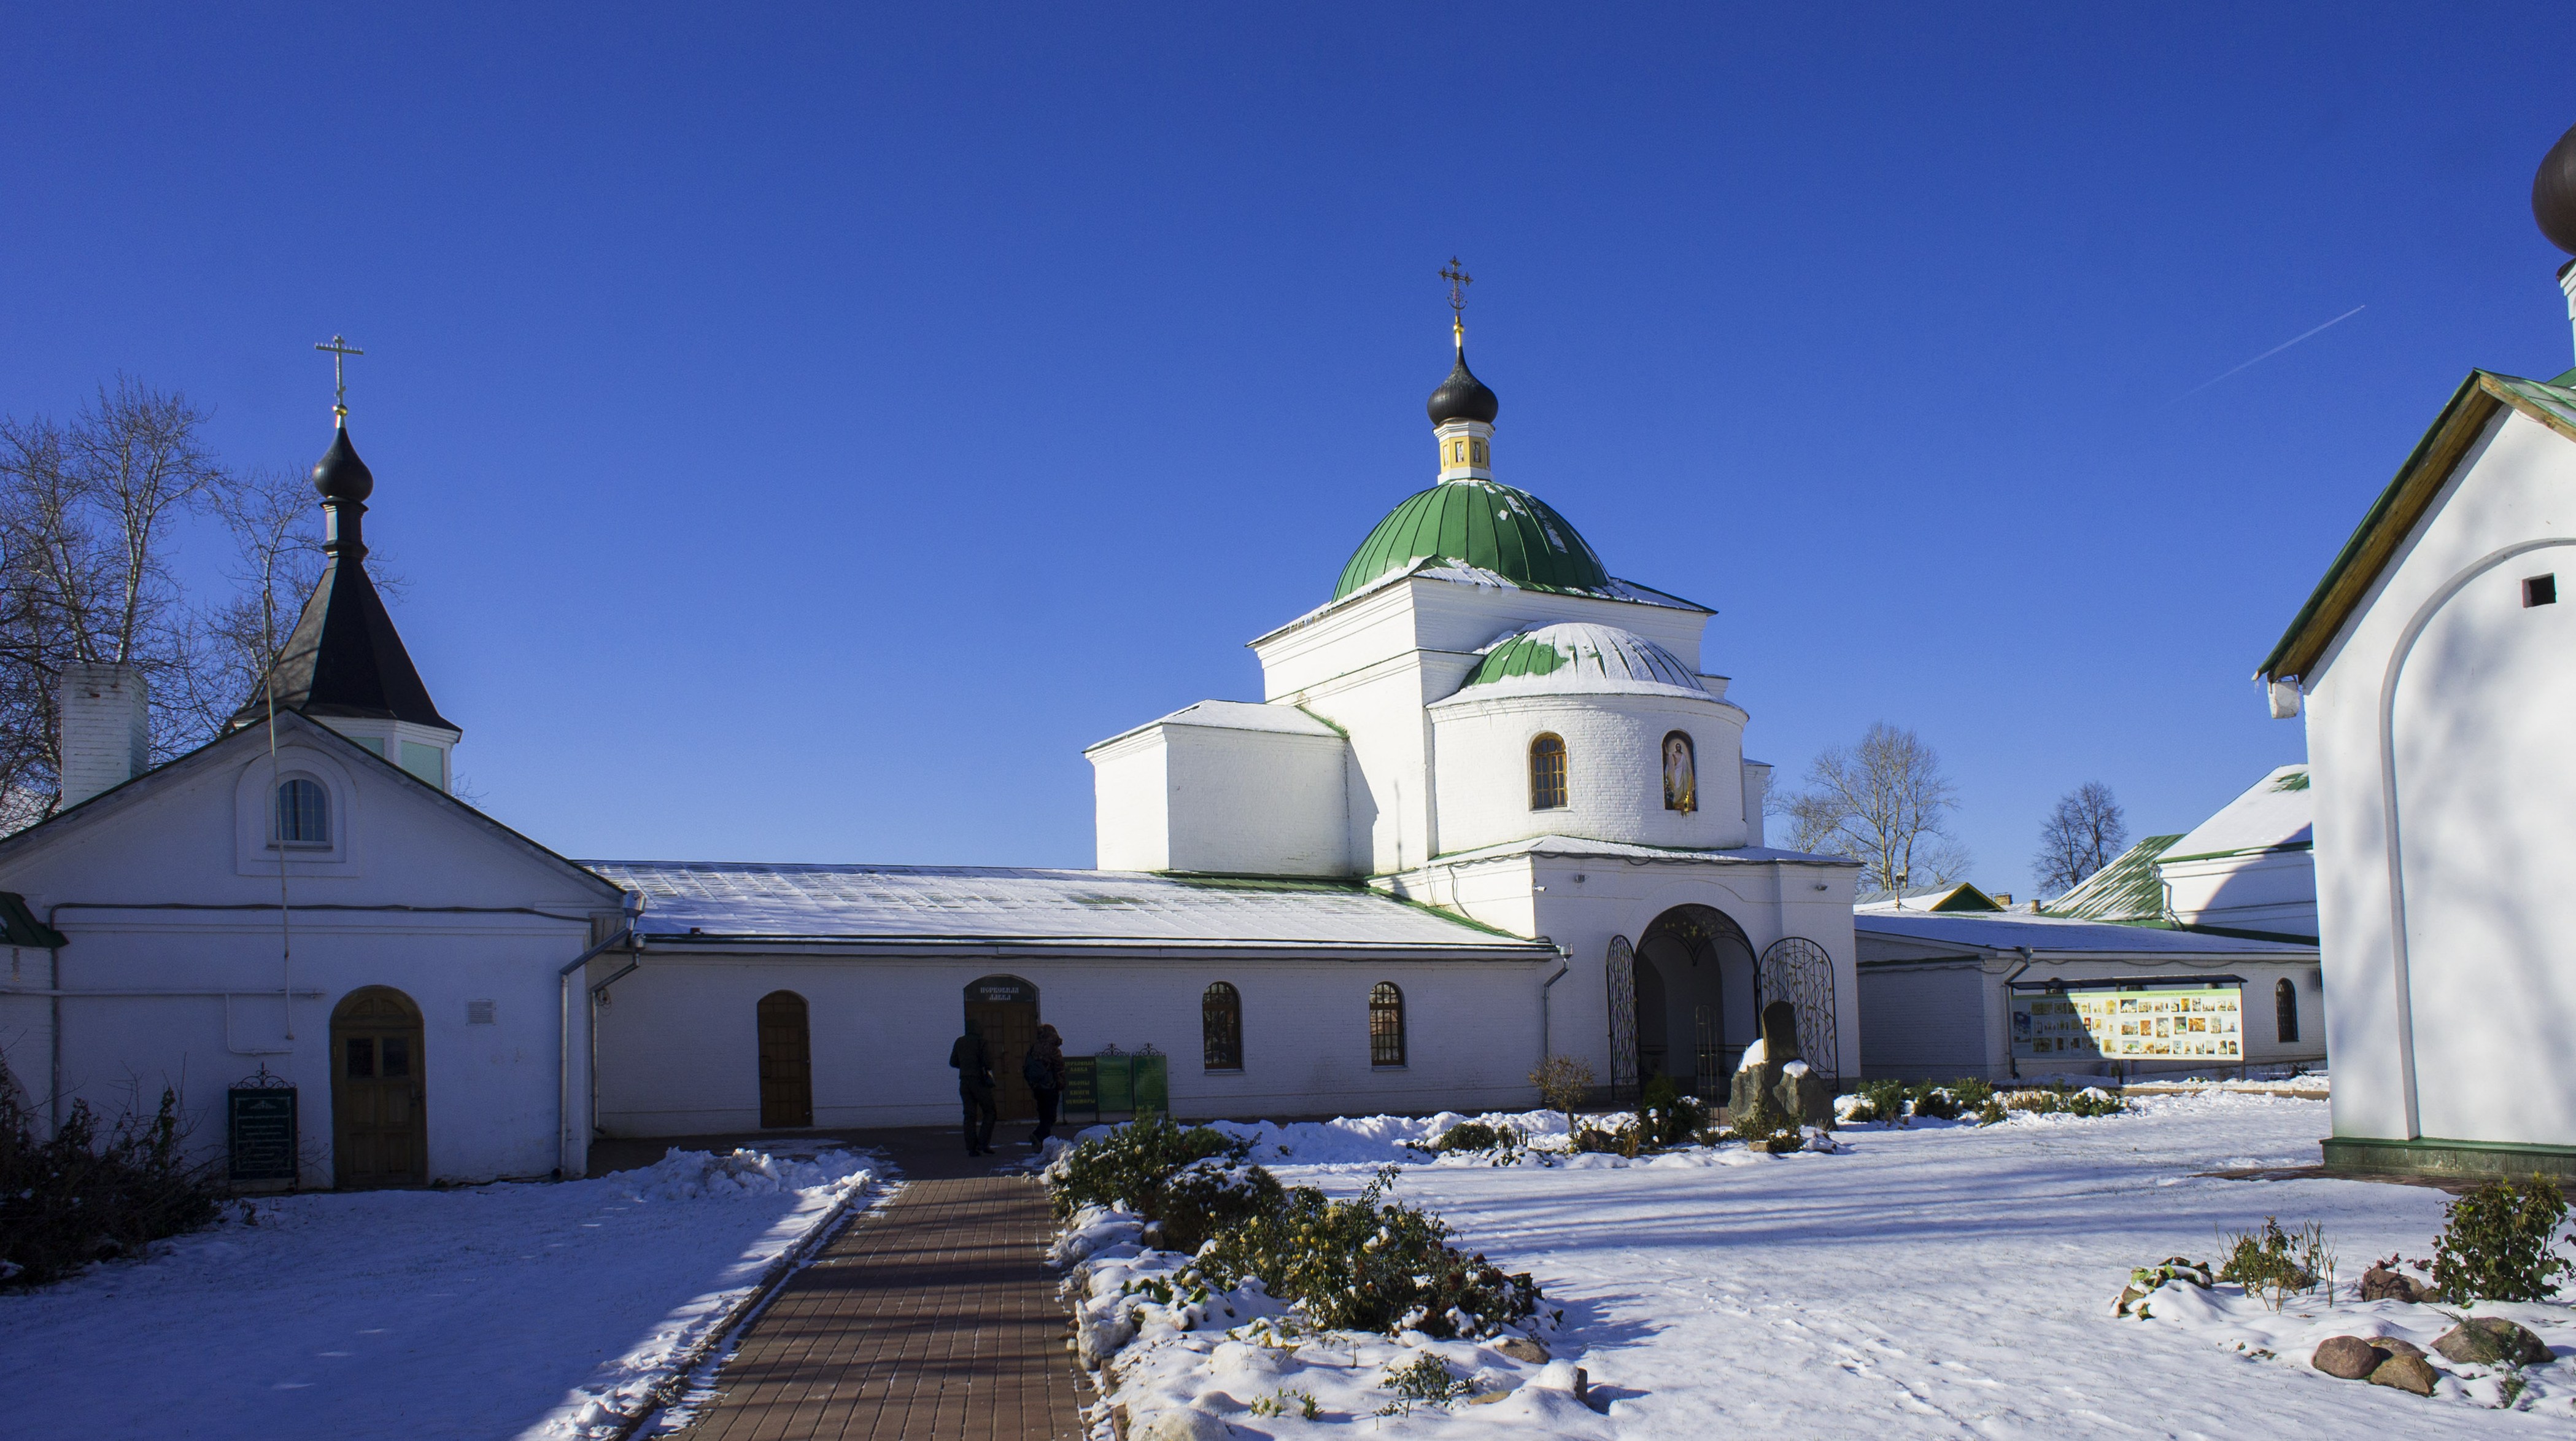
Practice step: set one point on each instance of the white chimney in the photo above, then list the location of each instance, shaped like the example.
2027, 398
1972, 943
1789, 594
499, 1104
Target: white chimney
107, 732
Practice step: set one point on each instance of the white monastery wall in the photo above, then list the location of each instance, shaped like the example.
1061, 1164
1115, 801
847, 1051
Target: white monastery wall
1223, 799
881, 1028
490, 1090
2274, 891
2474, 688
1614, 769
1925, 1023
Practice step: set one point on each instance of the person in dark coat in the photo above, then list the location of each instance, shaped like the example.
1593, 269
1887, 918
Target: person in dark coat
975, 1087
1044, 1071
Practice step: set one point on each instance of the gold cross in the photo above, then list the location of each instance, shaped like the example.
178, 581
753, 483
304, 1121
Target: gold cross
340, 350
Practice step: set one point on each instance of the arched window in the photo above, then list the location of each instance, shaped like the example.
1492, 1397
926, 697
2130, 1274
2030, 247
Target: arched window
1681, 773
1221, 1027
1547, 773
1386, 1025
303, 812
2285, 1003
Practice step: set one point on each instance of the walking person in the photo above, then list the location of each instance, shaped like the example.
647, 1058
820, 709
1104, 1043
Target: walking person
975, 1087
1044, 1071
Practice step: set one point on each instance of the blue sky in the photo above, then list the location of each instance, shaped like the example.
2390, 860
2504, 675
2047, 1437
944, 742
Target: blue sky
803, 430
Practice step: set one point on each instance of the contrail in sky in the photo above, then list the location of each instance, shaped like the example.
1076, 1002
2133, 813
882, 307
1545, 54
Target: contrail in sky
2275, 350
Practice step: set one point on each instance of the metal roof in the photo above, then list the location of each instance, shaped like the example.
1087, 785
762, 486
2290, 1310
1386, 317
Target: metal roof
1483, 524
1626, 850
756, 901
2272, 815
2054, 935
1573, 656
2128, 889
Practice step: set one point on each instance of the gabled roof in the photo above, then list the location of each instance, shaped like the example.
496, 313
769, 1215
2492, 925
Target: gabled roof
2393, 516
345, 658
1961, 897
179, 767
711, 902
2127, 890
2272, 815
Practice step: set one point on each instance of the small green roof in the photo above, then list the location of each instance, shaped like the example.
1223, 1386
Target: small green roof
2128, 889
1477, 522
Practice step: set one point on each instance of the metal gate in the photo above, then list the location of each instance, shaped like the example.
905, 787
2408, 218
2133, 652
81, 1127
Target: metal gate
1622, 972
1798, 971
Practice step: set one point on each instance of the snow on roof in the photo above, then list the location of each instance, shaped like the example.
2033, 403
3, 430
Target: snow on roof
1011, 904
1432, 567
2128, 889
1239, 715
2012, 930
2271, 816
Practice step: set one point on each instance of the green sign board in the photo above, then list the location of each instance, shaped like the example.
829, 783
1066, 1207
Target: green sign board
1152, 1090
261, 1130
1115, 1084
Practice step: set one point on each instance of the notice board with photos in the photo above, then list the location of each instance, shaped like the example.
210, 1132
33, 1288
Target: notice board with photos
2202, 1023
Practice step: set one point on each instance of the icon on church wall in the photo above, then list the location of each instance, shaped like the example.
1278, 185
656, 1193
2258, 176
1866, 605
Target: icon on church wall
1681, 780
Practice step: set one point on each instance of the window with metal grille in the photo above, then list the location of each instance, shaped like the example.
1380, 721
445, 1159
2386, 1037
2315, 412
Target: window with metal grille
303, 813
2285, 1007
1547, 773
1221, 1027
1386, 1025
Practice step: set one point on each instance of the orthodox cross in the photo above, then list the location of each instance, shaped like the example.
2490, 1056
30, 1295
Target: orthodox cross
1458, 280
340, 350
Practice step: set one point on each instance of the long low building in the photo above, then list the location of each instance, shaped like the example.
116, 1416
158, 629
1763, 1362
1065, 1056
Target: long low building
821, 995
1983, 994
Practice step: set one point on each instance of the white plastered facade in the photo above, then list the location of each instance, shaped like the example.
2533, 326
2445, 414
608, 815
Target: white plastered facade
2443, 785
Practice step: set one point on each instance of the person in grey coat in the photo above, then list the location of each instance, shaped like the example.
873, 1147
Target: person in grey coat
975, 1087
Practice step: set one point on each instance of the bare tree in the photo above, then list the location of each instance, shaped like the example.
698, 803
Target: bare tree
1884, 803
88, 515
277, 562
2082, 835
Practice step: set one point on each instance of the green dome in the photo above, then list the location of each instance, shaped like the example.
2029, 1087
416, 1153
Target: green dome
1476, 522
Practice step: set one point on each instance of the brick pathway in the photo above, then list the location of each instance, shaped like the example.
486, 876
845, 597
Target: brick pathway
932, 1318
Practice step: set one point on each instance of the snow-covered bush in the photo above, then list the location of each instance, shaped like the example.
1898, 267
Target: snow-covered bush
91, 1194
1766, 1127
1368, 1265
1129, 1166
2275, 1264
1667, 1117
2051, 1100
1474, 1138
2501, 1242
1206, 1198
1882, 1101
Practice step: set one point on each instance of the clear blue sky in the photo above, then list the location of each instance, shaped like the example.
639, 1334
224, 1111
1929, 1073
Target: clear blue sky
804, 431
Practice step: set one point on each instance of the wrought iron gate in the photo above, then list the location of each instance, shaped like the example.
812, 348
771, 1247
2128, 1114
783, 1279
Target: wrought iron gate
1622, 973
1798, 971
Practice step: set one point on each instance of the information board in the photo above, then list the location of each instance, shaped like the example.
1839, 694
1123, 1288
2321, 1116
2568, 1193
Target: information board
1081, 1085
261, 1133
2194, 1024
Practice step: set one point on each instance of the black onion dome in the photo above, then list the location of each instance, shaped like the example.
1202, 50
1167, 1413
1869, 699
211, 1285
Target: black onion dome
2553, 193
339, 474
1463, 397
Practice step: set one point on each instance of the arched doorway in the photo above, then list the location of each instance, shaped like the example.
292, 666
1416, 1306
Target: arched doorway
379, 1110
1688, 963
1005, 1009
786, 1062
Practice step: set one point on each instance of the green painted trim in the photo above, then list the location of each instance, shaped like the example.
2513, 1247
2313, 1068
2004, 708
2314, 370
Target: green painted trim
1324, 720
2432, 1156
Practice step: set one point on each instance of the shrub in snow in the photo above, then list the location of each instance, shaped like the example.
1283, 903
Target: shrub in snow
2145, 1281
90, 1195
1766, 1127
1204, 1199
1476, 1138
1667, 1117
1882, 1101
1426, 1378
1619, 1141
2274, 1264
2501, 1242
2049, 1100
1129, 1166
1369, 1265
1563, 1083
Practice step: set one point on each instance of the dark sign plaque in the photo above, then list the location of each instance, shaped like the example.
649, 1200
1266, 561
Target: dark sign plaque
1081, 1085
260, 1124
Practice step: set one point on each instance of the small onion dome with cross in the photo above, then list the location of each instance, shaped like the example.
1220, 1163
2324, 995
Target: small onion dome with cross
1574, 657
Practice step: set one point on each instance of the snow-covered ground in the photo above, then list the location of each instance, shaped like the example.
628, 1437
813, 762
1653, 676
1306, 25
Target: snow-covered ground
1937, 1281
501, 1311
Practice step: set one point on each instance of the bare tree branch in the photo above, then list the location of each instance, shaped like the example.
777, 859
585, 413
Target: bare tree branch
1884, 803
2082, 835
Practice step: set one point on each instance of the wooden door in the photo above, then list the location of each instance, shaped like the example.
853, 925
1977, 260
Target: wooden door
379, 1112
786, 1061
1007, 1009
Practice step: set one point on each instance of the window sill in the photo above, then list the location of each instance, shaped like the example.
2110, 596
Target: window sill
309, 848
1223, 1070
1389, 1066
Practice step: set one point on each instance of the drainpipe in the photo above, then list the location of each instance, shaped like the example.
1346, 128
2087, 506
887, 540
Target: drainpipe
1546, 1047
563, 1047
2012, 1063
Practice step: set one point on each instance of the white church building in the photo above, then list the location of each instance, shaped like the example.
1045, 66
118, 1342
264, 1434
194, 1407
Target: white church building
1489, 809
2436, 666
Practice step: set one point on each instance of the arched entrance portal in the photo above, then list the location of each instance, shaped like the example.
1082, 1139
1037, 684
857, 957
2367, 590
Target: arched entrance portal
1695, 1003
786, 1062
1005, 1008
379, 1112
